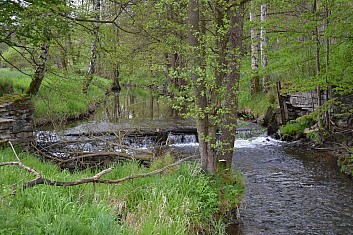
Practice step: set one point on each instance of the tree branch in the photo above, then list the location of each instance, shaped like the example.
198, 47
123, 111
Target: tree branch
155, 172
94, 179
113, 154
7, 61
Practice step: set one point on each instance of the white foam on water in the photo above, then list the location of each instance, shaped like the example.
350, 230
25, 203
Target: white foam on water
256, 142
185, 145
241, 143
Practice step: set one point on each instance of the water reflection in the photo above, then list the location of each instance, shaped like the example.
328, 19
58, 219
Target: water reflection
135, 104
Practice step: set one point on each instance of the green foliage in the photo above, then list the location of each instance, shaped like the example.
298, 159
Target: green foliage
345, 161
181, 201
17, 57
256, 104
63, 97
60, 96
33, 21
294, 129
313, 136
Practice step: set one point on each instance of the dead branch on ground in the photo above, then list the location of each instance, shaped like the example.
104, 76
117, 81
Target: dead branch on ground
111, 154
39, 179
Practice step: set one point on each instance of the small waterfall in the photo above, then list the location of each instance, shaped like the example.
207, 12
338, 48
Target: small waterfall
181, 140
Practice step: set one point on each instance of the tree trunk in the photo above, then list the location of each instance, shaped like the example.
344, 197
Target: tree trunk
263, 47
206, 152
92, 64
228, 130
116, 71
255, 81
317, 60
116, 74
329, 88
40, 70
71, 50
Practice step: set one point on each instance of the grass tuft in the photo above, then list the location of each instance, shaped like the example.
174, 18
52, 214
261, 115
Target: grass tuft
183, 201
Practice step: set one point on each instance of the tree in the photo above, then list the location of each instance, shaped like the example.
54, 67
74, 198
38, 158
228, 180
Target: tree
95, 42
216, 95
263, 47
255, 83
33, 24
203, 123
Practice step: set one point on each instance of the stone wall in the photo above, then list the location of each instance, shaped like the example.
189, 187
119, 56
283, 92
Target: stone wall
298, 104
16, 115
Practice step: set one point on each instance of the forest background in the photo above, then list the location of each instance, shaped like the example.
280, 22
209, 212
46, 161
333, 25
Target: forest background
213, 58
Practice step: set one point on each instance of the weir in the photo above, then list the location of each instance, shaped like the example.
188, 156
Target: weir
291, 189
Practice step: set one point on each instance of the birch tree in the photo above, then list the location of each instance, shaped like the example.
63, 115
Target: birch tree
263, 47
93, 57
255, 83
32, 26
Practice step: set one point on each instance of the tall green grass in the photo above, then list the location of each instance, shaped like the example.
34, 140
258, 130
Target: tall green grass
60, 95
180, 201
257, 104
296, 128
13, 80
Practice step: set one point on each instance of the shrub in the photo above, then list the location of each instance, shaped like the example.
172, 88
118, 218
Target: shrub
294, 129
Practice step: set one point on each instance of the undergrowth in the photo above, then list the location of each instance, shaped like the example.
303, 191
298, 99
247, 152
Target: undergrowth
256, 104
60, 95
294, 129
180, 201
63, 98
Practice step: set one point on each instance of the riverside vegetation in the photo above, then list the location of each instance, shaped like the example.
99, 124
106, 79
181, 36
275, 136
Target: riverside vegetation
183, 200
60, 98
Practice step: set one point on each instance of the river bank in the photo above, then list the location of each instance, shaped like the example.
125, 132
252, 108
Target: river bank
181, 200
206, 211
337, 143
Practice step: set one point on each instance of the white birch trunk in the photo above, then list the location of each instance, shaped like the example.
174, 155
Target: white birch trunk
254, 53
40, 71
92, 63
263, 46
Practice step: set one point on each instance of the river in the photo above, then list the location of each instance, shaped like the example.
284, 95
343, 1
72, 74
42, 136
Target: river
289, 189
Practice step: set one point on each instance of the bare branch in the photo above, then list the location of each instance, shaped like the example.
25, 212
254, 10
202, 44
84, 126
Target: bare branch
94, 179
7, 61
112, 154
36, 173
14, 151
8, 163
155, 172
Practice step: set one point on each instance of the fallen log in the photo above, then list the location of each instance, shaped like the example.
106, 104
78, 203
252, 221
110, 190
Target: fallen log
39, 179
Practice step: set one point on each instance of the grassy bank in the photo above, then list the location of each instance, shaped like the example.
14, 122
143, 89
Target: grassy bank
60, 97
180, 201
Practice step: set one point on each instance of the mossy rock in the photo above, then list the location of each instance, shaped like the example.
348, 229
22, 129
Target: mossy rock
13, 98
345, 163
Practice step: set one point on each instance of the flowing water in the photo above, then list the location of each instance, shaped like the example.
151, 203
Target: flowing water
290, 189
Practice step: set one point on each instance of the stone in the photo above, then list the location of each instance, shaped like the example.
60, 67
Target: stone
16, 122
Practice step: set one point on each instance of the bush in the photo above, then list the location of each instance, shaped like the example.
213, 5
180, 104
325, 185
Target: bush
294, 129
